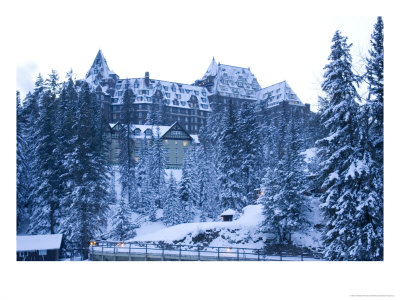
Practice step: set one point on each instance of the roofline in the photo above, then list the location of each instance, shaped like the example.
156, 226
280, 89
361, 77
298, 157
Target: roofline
191, 84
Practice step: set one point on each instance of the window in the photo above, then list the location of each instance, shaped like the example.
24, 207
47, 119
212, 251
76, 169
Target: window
166, 151
42, 252
187, 91
185, 143
136, 85
167, 95
140, 99
167, 159
166, 141
137, 131
119, 93
203, 93
173, 89
118, 86
181, 90
176, 151
176, 142
140, 114
178, 96
165, 88
176, 160
136, 159
203, 100
196, 92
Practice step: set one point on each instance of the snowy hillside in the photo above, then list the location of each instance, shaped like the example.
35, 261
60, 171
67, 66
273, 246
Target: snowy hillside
243, 232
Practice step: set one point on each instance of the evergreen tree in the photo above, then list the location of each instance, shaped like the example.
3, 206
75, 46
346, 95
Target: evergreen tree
122, 226
368, 165
172, 207
22, 190
126, 160
156, 167
45, 203
337, 152
284, 205
88, 209
251, 153
229, 163
188, 191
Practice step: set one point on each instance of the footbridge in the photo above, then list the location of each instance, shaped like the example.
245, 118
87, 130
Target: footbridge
137, 251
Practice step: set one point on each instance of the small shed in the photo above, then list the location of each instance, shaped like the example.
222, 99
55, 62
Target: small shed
227, 216
38, 247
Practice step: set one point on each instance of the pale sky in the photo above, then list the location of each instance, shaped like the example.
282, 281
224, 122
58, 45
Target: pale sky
175, 41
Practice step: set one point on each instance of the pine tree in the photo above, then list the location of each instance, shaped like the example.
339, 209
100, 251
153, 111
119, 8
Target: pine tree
172, 207
188, 192
126, 160
88, 209
22, 190
156, 167
251, 154
369, 164
284, 205
338, 154
45, 204
122, 226
229, 162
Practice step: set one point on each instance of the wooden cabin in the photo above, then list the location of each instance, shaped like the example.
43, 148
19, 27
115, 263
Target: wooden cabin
227, 216
44, 247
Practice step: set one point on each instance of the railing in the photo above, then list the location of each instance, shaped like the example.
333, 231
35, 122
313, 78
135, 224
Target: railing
153, 251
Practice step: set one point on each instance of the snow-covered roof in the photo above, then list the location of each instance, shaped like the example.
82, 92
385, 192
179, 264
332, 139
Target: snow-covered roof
38, 242
233, 81
141, 133
174, 94
277, 93
99, 70
228, 212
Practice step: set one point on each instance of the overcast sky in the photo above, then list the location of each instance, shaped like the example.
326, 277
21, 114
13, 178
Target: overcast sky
175, 41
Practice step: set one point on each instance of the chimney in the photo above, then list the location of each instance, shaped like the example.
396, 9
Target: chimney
147, 79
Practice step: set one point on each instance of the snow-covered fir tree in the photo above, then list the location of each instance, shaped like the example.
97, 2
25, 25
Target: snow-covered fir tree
229, 164
156, 167
250, 153
22, 175
172, 207
343, 168
188, 189
45, 204
88, 208
284, 205
126, 159
122, 226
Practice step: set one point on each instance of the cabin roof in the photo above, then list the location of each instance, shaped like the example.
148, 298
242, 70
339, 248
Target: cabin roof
38, 242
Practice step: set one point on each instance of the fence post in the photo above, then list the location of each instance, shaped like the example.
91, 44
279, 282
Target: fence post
180, 252
129, 251
218, 253
237, 253
163, 252
301, 256
146, 253
102, 252
198, 252
258, 254
281, 255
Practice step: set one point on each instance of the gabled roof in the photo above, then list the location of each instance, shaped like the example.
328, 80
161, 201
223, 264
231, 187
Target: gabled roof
98, 70
233, 81
163, 130
277, 93
38, 242
175, 94
228, 212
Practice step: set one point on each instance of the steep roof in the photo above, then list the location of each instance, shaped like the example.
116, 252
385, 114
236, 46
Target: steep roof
233, 81
277, 93
228, 212
98, 70
38, 242
175, 94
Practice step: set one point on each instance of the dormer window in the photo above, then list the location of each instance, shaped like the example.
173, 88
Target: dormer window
137, 132
136, 85
187, 91
203, 93
148, 132
165, 88
178, 96
196, 92
203, 100
181, 90
173, 89
167, 95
